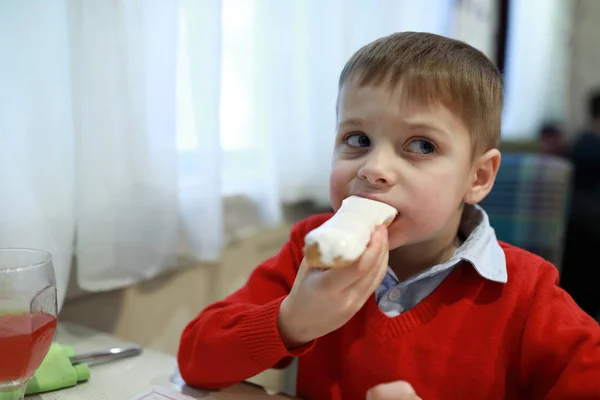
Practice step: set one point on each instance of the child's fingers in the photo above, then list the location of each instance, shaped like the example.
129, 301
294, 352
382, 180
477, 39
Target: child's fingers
367, 285
381, 271
302, 270
342, 278
377, 246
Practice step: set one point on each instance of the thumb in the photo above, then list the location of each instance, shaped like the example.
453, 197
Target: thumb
302, 270
398, 390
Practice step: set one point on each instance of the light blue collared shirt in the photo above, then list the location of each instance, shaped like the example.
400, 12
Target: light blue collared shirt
480, 249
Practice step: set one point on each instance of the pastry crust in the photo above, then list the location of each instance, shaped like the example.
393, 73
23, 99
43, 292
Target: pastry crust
313, 258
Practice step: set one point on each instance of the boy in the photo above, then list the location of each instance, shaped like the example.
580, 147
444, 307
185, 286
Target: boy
435, 307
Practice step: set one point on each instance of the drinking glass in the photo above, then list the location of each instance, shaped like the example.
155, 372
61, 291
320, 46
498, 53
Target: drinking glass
28, 313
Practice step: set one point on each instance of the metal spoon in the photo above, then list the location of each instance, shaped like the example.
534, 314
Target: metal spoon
103, 356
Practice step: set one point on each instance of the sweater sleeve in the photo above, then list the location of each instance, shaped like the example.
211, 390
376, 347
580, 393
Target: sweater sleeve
561, 345
237, 338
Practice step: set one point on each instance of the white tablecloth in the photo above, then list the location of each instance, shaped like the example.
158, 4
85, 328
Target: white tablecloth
127, 378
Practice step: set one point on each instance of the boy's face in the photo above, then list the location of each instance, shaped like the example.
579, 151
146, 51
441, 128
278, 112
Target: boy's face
417, 159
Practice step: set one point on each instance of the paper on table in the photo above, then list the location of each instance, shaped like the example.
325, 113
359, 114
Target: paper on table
161, 393
241, 391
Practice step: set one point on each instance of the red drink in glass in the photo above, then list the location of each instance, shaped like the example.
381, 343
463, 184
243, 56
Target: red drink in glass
24, 342
28, 313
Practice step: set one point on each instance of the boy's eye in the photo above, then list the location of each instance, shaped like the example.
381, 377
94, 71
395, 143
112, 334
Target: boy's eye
421, 146
357, 140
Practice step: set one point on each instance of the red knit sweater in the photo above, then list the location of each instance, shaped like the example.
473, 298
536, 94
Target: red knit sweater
470, 339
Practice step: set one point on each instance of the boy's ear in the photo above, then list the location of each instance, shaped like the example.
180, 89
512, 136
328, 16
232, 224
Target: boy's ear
484, 171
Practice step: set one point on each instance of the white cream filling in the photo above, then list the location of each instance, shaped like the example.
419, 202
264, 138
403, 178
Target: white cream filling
347, 234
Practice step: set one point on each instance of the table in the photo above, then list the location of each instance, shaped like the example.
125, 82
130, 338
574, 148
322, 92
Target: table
126, 378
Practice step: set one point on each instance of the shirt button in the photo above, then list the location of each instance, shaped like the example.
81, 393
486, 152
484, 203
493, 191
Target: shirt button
394, 294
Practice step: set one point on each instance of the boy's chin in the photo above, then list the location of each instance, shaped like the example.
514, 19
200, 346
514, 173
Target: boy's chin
398, 238
396, 242
397, 235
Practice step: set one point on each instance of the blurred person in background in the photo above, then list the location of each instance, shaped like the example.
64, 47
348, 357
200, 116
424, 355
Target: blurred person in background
551, 140
581, 277
586, 152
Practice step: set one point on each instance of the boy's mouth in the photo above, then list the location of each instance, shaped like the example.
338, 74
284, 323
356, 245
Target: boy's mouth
374, 198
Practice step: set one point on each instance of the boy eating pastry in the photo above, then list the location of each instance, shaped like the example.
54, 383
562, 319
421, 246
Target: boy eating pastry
435, 306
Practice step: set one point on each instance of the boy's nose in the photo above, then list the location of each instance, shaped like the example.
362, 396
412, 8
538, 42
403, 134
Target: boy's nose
378, 170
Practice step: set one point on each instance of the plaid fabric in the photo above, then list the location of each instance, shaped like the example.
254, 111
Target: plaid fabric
528, 205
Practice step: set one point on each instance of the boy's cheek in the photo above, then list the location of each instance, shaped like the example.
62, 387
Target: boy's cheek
339, 181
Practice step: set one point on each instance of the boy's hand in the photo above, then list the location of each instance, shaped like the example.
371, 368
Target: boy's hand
321, 301
398, 390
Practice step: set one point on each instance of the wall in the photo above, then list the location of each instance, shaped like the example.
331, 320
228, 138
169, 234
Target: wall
585, 57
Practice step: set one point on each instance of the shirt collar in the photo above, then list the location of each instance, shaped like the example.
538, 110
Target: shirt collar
480, 249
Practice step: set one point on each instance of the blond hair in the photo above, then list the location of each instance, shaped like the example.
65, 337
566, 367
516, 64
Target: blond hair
433, 69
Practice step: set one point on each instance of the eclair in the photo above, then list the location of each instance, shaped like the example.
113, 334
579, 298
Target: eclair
341, 240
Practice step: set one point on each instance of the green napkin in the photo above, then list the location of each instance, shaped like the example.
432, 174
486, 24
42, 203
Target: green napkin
57, 372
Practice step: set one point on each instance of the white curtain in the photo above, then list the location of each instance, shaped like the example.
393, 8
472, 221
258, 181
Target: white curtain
37, 159
123, 123
126, 193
